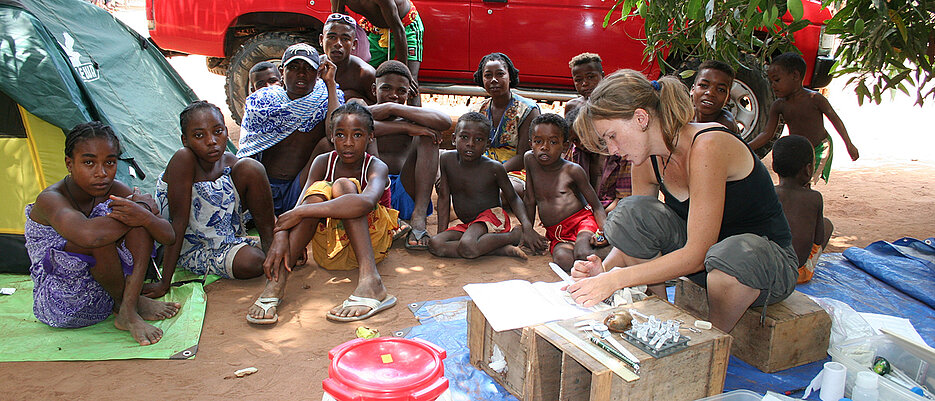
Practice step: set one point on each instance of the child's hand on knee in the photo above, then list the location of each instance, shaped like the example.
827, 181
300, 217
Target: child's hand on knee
129, 212
288, 220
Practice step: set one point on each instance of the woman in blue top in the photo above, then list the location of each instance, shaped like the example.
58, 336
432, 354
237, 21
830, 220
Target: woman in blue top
732, 237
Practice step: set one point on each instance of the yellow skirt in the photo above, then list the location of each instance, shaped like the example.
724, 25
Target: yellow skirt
331, 246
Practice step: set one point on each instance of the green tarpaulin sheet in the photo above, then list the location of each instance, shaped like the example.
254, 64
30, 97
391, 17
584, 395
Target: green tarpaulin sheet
27, 339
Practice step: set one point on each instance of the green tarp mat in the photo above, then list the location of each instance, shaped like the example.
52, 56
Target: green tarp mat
27, 339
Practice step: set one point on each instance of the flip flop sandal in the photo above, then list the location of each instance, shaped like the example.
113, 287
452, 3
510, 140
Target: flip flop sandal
374, 305
265, 303
418, 235
403, 229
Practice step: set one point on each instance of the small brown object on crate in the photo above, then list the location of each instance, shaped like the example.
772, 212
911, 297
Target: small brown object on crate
618, 322
796, 331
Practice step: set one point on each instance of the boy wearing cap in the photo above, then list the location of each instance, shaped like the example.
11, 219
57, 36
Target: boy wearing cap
394, 32
338, 41
284, 127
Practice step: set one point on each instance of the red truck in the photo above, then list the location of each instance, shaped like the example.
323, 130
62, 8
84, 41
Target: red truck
541, 36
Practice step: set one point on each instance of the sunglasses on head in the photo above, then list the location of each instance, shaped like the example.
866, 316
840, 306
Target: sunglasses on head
347, 19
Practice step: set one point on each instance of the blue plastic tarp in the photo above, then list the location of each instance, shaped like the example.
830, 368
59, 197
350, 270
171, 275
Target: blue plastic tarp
879, 279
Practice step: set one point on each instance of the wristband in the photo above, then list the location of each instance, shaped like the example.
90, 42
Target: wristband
599, 236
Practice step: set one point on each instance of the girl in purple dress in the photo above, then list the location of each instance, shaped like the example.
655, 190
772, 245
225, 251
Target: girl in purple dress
89, 238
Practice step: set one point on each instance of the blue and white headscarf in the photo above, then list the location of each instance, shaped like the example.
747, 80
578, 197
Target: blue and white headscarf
270, 116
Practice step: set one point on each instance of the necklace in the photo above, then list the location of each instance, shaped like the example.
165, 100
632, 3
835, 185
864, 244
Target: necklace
74, 202
665, 165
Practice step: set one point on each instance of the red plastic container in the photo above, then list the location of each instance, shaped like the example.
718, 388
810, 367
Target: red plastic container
386, 369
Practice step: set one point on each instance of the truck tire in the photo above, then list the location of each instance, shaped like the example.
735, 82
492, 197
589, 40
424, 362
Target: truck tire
217, 65
267, 46
750, 98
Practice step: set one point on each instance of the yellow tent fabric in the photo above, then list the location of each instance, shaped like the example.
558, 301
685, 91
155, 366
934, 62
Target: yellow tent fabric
27, 166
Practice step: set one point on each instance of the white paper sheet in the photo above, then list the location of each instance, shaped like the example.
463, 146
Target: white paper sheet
513, 304
894, 324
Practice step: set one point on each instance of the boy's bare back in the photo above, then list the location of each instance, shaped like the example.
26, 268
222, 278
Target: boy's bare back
557, 192
474, 188
803, 207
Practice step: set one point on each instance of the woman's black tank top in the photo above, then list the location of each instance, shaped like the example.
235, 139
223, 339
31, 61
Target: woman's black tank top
750, 204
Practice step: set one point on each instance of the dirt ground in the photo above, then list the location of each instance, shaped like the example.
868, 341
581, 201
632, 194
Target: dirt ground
885, 195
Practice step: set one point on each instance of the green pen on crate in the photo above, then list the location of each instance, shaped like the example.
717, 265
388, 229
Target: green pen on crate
600, 343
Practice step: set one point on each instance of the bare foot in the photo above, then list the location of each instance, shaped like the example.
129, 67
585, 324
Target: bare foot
144, 333
510, 250
273, 289
367, 289
150, 309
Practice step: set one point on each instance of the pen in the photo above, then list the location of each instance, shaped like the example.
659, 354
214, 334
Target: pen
617, 354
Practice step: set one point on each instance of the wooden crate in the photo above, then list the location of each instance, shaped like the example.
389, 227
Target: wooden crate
514, 344
796, 331
556, 369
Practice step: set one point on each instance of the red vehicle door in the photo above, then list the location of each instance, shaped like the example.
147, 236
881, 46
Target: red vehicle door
541, 36
445, 56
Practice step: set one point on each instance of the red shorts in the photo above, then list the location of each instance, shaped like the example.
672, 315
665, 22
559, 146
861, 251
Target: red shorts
495, 219
568, 229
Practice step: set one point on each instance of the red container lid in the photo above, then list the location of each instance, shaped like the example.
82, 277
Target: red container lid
386, 369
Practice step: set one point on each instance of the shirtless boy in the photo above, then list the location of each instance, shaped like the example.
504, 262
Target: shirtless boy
394, 31
284, 128
710, 93
407, 139
556, 186
793, 161
338, 40
264, 74
473, 183
802, 111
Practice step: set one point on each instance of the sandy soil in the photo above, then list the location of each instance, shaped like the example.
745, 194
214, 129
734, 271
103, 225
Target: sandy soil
885, 195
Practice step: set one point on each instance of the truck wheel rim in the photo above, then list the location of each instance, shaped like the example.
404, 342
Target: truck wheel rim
744, 106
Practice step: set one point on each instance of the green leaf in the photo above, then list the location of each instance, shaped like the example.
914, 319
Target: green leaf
858, 26
709, 10
686, 74
612, 8
694, 9
795, 8
751, 8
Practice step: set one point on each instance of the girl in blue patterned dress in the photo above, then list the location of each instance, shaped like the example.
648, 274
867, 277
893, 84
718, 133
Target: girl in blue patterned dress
206, 192
90, 238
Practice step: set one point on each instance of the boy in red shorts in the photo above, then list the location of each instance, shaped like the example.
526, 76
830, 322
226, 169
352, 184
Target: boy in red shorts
473, 183
557, 186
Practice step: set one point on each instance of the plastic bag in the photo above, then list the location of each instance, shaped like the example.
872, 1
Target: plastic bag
846, 323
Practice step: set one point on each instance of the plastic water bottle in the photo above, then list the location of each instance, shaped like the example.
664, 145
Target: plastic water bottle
865, 388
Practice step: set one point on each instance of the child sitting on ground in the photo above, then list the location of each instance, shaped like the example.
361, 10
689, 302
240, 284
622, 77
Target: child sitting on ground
802, 111
344, 212
710, 93
473, 183
206, 192
264, 74
557, 187
793, 161
90, 240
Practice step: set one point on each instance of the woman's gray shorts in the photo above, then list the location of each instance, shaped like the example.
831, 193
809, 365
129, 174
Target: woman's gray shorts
643, 227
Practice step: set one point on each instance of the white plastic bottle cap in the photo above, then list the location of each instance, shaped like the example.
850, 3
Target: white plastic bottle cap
867, 380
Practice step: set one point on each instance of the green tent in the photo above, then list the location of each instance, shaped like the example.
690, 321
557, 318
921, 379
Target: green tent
66, 62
